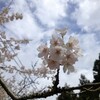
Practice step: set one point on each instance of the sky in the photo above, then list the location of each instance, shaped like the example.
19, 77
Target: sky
41, 17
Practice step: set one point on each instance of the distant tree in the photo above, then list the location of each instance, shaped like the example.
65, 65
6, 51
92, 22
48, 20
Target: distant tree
96, 74
67, 95
93, 94
96, 70
84, 95
83, 80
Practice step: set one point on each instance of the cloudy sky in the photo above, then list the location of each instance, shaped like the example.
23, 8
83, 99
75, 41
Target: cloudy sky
41, 17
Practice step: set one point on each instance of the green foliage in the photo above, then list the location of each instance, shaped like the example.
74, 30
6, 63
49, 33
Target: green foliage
83, 80
96, 70
84, 95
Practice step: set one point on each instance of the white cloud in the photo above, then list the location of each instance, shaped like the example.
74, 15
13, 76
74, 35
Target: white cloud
36, 13
27, 27
87, 14
50, 11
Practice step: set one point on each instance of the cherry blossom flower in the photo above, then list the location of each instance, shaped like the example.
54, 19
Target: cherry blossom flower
69, 68
43, 50
60, 54
53, 64
2, 58
77, 51
70, 59
42, 71
56, 41
72, 43
2, 34
44, 61
56, 53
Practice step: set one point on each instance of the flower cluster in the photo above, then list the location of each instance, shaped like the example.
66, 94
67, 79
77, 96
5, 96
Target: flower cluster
4, 17
9, 46
6, 45
10, 64
60, 53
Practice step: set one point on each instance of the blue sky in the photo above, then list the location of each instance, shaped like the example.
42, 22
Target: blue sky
41, 17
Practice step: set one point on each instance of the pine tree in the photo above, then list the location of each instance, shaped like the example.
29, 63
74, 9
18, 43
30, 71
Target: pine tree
96, 70
96, 74
67, 95
84, 95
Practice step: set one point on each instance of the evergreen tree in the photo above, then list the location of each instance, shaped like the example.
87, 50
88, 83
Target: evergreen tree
67, 96
83, 80
84, 95
96, 70
96, 74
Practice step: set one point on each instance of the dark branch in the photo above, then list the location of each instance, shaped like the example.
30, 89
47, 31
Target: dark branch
45, 94
56, 81
8, 91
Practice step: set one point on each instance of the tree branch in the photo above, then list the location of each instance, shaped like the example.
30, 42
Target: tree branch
56, 81
58, 90
8, 91
45, 94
